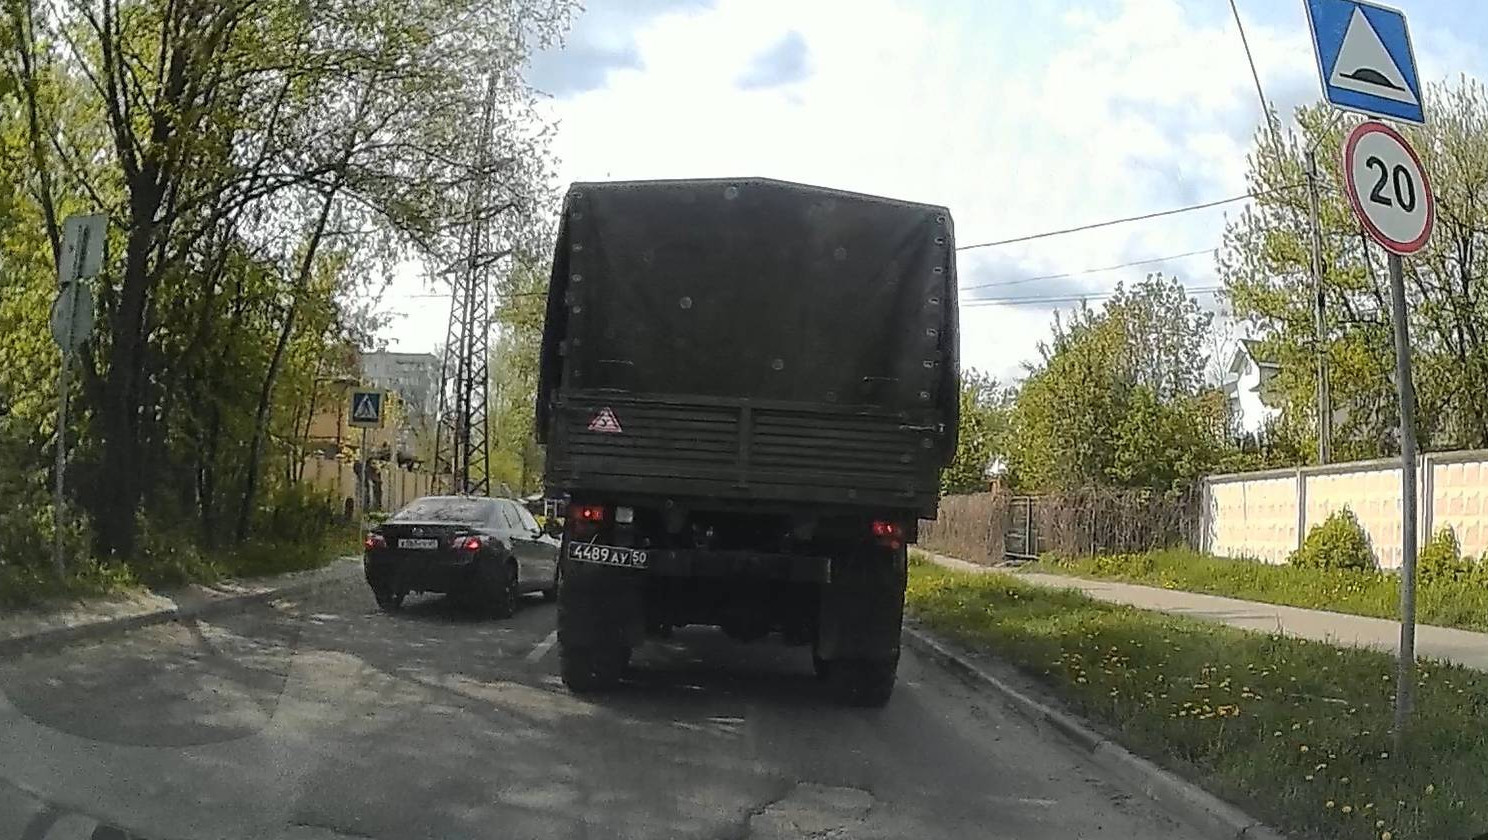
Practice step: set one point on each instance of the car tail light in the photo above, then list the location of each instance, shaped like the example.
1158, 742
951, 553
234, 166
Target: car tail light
471, 544
374, 541
888, 533
588, 513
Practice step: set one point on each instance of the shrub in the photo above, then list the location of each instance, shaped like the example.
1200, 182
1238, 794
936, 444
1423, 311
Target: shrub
1441, 559
168, 555
1338, 543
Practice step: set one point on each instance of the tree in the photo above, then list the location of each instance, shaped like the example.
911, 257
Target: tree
258, 159
1118, 398
984, 416
516, 457
1265, 268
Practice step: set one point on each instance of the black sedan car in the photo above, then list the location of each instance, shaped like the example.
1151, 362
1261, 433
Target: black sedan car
481, 550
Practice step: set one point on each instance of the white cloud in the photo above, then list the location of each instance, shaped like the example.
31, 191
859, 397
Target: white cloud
1125, 112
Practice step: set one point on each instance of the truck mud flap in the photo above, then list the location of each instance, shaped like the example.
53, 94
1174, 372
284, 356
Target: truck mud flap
600, 605
862, 608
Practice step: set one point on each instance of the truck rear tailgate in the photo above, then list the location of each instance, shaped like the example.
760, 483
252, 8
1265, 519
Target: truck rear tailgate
741, 449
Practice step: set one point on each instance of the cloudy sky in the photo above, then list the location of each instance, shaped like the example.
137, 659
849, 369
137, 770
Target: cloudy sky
1022, 117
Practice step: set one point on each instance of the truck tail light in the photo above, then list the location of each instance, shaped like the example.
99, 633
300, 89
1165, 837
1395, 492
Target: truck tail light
374, 541
471, 544
888, 533
588, 513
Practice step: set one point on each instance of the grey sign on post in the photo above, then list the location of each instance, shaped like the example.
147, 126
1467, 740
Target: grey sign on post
83, 238
72, 316
82, 247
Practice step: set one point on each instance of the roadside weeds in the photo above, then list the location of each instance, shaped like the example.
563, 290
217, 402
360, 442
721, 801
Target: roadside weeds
1293, 731
1376, 594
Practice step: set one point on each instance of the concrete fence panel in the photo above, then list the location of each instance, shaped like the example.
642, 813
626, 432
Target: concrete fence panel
1252, 517
1267, 515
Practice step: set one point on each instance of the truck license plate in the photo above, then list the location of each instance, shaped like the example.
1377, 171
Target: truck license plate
609, 555
412, 543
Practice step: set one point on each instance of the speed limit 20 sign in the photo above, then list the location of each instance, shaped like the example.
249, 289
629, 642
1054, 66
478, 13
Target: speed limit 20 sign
1388, 188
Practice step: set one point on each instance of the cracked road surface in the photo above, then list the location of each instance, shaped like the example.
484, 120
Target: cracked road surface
323, 718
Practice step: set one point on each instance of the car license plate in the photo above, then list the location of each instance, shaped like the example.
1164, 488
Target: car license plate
418, 543
609, 555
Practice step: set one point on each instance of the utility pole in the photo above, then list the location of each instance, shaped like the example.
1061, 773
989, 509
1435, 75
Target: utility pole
1324, 401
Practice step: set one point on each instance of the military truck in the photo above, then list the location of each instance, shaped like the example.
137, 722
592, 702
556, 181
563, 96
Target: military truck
747, 390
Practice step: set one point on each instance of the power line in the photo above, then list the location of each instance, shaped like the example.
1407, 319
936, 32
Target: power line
1018, 301
1254, 75
1087, 271
1109, 222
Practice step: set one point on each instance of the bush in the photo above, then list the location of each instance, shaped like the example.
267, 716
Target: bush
1338, 543
167, 555
1441, 559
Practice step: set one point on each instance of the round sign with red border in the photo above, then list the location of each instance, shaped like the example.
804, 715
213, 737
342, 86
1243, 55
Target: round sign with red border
1388, 187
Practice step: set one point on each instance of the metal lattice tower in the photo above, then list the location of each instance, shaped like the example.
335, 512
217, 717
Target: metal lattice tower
462, 452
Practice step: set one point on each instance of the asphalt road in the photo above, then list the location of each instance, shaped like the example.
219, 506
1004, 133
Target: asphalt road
327, 719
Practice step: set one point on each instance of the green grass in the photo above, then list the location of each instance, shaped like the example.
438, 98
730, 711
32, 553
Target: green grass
165, 563
1449, 603
1296, 732
23, 587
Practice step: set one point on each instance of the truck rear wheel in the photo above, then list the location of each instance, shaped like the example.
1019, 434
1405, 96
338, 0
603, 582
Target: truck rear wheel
862, 682
587, 669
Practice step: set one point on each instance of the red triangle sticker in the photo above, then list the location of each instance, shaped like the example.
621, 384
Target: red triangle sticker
605, 421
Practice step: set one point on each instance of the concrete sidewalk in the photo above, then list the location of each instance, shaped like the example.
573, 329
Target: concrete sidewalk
1461, 647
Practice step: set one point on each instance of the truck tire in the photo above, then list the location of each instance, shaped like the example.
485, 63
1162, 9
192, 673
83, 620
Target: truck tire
862, 682
586, 670
593, 650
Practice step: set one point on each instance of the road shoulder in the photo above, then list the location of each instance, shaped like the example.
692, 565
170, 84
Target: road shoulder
30, 631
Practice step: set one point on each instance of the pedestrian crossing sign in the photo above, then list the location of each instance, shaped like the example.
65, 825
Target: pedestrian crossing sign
366, 409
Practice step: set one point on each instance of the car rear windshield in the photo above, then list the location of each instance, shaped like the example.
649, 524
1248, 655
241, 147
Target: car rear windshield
472, 511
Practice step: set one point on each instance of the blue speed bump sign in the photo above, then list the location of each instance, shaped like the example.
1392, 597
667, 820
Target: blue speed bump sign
366, 409
1365, 59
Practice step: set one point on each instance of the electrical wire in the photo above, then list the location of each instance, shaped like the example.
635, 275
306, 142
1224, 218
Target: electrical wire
1088, 271
1109, 222
1019, 301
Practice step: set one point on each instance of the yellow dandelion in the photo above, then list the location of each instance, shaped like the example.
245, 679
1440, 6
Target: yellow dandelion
1347, 809
1309, 777
1430, 789
1296, 726
1303, 748
1328, 804
1379, 823
1385, 835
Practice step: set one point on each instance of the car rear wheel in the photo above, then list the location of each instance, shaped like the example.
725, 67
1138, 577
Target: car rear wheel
387, 599
501, 589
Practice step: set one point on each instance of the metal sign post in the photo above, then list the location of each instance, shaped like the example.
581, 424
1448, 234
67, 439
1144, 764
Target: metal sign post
1405, 676
71, 323
366, 413
1391, 195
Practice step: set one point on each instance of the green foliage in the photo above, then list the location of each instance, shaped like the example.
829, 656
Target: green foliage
169, 556
984, 406
1440, 561
1117, 399
1338, 542
1265, 268
516, 458
1281, 724
261, 184
1442, 600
